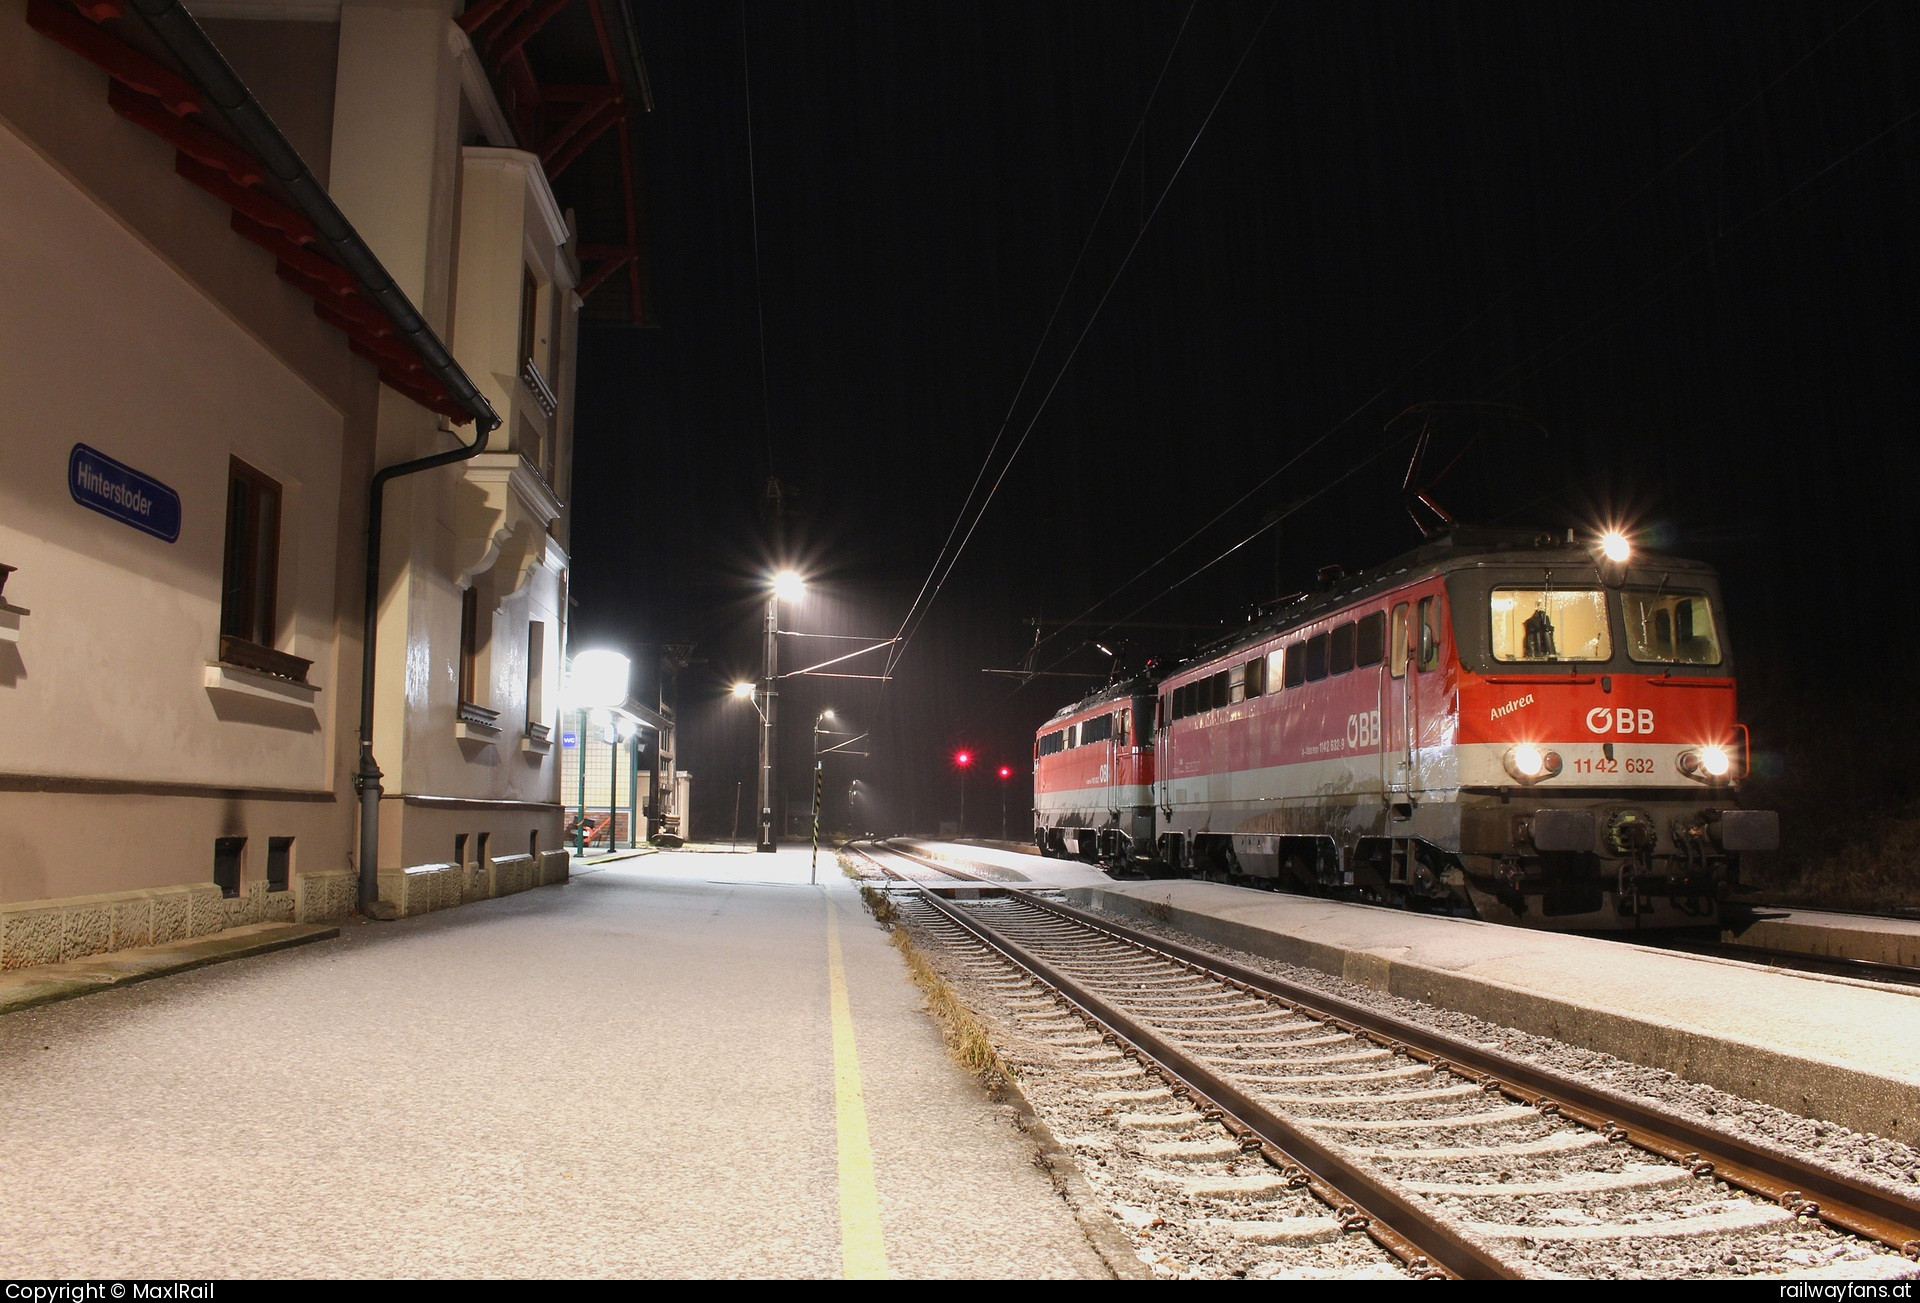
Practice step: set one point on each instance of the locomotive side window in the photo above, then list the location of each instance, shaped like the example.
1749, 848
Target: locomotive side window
1236, 684
1340, 649
1277, 669
1296, 665
1370, 637
1669, 628
1397, 663
1427, 635
1550, 624
1122, 722
1222, 687
1316, 657
1256, 677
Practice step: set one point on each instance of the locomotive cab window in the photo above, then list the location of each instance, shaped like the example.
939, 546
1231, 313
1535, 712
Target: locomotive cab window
1397, 660
1550, 624
1669, 628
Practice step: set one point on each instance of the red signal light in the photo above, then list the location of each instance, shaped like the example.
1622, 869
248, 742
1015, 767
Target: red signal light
963, 758
1005, 772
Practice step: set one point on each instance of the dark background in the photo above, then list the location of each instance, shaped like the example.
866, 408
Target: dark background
1679, 235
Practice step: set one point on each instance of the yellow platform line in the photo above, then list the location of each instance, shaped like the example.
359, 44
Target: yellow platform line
863, 1244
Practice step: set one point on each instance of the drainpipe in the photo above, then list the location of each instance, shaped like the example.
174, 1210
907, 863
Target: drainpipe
204, 64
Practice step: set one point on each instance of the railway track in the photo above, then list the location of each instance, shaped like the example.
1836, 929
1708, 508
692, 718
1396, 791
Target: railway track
1455, 1160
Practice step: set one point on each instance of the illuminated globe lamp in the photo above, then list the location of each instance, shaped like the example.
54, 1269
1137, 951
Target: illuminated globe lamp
598, 678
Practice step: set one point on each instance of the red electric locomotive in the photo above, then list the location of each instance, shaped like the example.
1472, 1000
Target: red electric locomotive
1499, 723
1093, 777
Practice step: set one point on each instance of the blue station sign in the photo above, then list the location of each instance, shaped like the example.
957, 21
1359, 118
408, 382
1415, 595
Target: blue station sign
116, 489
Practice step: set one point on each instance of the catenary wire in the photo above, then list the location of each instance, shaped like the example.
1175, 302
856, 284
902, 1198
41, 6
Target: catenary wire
1045, 333
1092, 318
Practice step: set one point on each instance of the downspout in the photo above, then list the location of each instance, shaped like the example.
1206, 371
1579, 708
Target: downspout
204, 64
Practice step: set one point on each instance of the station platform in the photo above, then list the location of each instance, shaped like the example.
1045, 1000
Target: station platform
1864, 938
680, 1065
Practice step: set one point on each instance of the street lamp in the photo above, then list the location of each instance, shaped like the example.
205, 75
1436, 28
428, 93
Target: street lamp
963, 759
789, 586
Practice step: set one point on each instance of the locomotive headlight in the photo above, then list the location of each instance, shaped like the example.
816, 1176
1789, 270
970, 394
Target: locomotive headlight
1529, 763
1615, 548
1706, 764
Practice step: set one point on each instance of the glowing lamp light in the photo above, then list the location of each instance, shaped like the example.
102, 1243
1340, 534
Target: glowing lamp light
788, 586
743, 690
1005, 772
1715, 761
1615, 547
963, 758
599, 678
1528, 760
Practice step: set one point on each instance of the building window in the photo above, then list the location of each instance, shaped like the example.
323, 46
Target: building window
536, 673
529, 316
251, 571
279, 863
470, 646
227, 853
460, 850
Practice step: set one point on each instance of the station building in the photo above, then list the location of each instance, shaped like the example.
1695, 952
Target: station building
197, 408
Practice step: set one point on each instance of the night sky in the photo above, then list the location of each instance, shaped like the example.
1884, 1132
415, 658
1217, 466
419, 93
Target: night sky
1679, 236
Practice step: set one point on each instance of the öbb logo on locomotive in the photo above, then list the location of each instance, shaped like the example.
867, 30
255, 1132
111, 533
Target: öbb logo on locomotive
1620, 719
1439, 734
